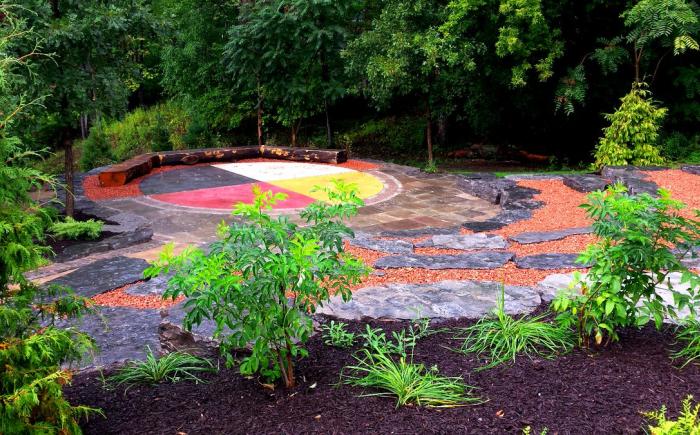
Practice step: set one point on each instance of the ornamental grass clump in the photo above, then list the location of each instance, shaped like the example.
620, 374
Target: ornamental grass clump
500, 338
688, 338
173, 367
265, 275
642, 240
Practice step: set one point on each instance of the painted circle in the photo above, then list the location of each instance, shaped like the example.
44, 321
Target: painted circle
220, 186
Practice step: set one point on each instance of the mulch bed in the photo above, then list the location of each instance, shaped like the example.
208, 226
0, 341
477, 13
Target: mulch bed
581, 393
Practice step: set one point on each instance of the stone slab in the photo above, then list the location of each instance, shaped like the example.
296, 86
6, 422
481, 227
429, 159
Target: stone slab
440, 300
585, 183
548, 236
103, 275
380, 245
548, 261
477, 260
691, 169
465, 242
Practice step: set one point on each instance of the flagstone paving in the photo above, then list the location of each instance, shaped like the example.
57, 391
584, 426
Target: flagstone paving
405, 227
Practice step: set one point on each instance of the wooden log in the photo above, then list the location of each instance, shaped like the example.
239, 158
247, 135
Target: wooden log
122, 173
304, 154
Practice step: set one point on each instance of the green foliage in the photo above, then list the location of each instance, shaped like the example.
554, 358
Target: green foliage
158, 128
634, 255
688, 337
410, 383
678, 147
674, 22
73, 230
633, 133
528, 431
501, 338
571, 91
337, 335
265, 275
397, 136
688, 423
173, 367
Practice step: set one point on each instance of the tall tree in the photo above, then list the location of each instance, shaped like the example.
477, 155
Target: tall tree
286, 53
89, 42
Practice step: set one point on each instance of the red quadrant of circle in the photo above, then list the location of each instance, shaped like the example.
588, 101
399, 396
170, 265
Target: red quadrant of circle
227, 196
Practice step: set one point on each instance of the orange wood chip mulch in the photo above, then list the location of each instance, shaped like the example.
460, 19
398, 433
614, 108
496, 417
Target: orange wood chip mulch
683, 186
119, 298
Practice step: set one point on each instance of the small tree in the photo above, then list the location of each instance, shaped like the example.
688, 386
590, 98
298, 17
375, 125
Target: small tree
264, 277
633, 132
32, 349
642, 241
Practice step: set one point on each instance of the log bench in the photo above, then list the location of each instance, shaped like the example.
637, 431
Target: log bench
122, 173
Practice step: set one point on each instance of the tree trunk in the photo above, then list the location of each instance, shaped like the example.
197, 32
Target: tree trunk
260, 122
68, 172
442, 131
329, 132
429, 134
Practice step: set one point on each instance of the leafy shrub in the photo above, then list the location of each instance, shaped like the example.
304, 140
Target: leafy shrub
689, 338
391, 136
635, 254
633, 133
500, 338
336, 334
688, 422
681, 148
74, 230
265, 275
410, 383
157, 128
173, 367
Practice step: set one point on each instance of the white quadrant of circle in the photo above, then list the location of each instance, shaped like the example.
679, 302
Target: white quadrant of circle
274, 171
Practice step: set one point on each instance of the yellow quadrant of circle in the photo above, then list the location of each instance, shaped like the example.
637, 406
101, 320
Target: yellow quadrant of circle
367, 185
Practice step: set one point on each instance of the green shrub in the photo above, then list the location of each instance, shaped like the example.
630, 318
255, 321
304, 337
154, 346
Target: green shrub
682, 148
688, 422
73, 230
265, 275
391, 136
410, 383
501, 338
336, 334
158, 128
633, 133
634, 255
173, 367
32, 349
688, 337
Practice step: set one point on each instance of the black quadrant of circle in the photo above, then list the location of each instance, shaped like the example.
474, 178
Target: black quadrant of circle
192, 178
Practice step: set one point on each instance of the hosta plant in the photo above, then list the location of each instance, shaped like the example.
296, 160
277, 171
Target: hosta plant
265, 275
642, 240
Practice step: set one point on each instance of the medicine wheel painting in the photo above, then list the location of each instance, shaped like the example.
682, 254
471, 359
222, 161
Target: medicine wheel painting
220, 186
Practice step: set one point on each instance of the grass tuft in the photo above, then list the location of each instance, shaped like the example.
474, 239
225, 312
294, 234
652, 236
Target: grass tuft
689, 337
173, 367
500, 338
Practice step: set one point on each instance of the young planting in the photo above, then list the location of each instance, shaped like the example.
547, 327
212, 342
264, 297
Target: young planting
642, 241
173, 367
688, 422
73, 230
336, 335
500, 338
263, 278
688, 338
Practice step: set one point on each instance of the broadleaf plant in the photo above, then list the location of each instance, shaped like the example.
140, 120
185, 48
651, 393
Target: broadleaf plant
265, 275
642, 240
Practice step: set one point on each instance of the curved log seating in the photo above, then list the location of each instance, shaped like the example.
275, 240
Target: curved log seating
122, 173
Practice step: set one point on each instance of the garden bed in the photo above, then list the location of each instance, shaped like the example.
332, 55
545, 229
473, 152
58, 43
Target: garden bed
599, 392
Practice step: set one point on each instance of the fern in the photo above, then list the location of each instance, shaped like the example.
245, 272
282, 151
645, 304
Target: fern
73, 230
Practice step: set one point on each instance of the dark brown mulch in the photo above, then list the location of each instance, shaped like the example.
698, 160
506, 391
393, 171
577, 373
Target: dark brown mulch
581, 393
